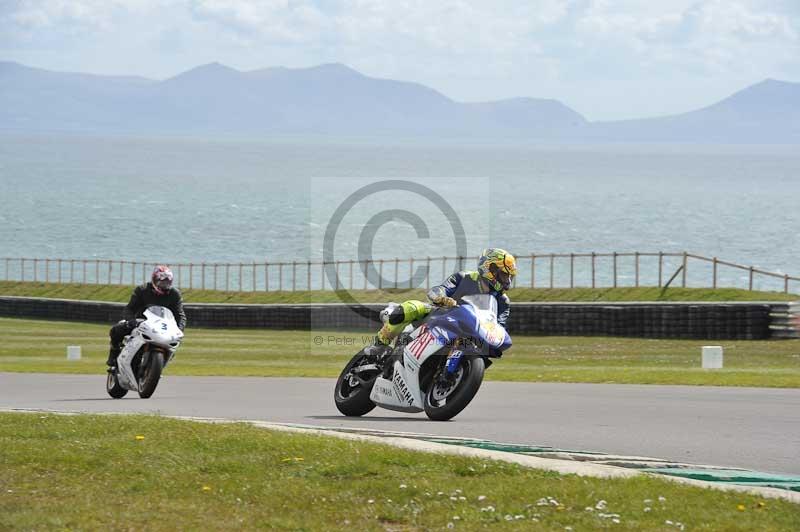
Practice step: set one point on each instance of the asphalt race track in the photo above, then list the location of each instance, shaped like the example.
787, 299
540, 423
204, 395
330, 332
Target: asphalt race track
753, 428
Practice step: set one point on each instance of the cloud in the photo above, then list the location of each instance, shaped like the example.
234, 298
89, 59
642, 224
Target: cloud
713, 34
469, 49
268, 20
652, 31
43, 23
455, 26
88, 14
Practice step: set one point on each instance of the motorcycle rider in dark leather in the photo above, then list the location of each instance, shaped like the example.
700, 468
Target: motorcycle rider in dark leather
158, 292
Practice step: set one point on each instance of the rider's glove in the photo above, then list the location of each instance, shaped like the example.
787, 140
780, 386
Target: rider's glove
133, 323
444, 301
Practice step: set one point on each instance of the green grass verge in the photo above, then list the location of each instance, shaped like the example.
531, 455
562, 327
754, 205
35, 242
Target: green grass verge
145, 472
122, 294
40, 346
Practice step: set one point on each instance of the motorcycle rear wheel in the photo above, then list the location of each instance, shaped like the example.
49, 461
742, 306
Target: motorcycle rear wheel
352, 393
445, 401
151, 374
112, 386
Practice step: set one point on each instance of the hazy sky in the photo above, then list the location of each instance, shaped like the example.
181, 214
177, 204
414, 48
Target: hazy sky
605, 58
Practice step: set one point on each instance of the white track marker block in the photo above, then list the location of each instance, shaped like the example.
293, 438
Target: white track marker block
712, 357
73, 352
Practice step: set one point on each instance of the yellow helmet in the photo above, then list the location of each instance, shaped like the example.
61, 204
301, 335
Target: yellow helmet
498, 268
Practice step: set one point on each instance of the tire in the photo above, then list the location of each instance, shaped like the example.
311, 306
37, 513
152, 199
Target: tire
458, 398
150, 375
354, 400
113, 388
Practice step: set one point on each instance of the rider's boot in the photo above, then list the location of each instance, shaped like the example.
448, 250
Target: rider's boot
113, 353
388, 365
378, 348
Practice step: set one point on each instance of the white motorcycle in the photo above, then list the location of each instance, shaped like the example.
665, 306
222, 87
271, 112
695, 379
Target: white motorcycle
436, 368
147, 350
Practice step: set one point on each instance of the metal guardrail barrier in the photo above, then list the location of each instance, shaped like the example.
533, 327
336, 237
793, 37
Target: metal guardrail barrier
548, 270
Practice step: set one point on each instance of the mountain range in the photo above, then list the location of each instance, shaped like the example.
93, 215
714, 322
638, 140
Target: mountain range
335, 100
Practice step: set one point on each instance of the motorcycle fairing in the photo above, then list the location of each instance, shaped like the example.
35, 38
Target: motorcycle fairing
395, 394
402, 392
125, 375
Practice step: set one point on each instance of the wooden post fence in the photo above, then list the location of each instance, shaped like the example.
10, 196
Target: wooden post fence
565, 269
683, 270
714, 274
572, 270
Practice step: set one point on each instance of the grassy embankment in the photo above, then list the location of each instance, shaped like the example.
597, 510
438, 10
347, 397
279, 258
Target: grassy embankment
39, 346
122, 293
140, 472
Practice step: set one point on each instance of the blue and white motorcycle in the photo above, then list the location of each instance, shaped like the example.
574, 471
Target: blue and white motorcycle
436, 367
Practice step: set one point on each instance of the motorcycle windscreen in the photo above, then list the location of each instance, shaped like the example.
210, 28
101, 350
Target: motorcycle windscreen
485, 306
159, 312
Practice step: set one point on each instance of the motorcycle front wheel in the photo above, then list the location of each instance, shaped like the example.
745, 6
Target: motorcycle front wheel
112, 386
352, 391
150, 373
447, 395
